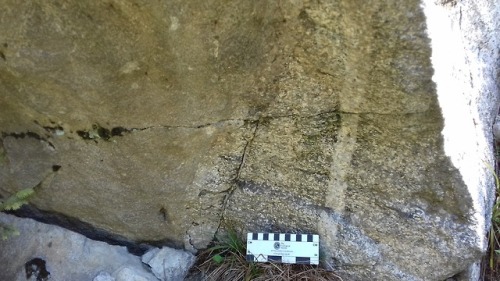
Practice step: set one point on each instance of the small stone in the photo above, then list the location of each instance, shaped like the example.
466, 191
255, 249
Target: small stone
496, 129
104, 276
131, 274
169, 264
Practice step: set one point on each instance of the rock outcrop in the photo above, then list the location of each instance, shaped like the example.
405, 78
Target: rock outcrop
47, 252
152, 122
169, 264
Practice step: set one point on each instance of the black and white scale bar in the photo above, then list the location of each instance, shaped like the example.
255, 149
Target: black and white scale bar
283, 248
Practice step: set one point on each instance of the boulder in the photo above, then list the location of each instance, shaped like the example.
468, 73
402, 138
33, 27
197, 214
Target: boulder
46, 252
169, 264
465, 58
155, 121
104, 276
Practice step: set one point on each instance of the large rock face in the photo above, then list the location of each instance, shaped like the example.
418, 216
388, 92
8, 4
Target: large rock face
152, 121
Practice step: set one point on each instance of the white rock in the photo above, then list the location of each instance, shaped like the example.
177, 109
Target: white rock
67, 255
169, 264
131, 274
104, 276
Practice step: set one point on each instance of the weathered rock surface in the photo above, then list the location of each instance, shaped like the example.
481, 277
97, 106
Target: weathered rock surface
152, 121
46, 252
169, 264
465, 57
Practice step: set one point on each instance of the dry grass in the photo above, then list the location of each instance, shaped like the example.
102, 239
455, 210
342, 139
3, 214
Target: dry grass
491, 262
234, 267
226, 261
285, 272
237, 268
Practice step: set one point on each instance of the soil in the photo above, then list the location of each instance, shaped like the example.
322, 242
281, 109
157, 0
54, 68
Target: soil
488, 274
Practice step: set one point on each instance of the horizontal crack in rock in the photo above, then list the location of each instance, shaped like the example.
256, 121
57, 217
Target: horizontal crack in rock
98, 132
382, 113
27, 134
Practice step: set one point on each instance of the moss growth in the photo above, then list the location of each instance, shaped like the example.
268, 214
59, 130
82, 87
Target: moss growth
12, 203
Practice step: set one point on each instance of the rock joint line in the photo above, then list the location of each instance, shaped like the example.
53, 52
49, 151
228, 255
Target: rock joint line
238, 173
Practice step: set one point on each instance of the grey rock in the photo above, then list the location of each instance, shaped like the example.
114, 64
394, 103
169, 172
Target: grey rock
126, 273
496, 128
104, 276
64, 255
168, 263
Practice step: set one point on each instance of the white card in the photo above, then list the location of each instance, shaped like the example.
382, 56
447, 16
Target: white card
283, 248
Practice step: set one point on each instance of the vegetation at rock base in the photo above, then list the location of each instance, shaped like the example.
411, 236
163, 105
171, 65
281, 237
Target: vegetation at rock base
226, 260
13, 203
491, 262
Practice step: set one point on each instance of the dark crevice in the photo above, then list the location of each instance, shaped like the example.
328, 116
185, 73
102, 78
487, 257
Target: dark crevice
36, 267
190, 241
238, 173
53, 130
27, 134
84, 135
205, 192
56, 168
246, 121
245, 150
14, 135
99, 132
119, 131
383, 113
76, 225
23, 135
164, 214
205, 125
